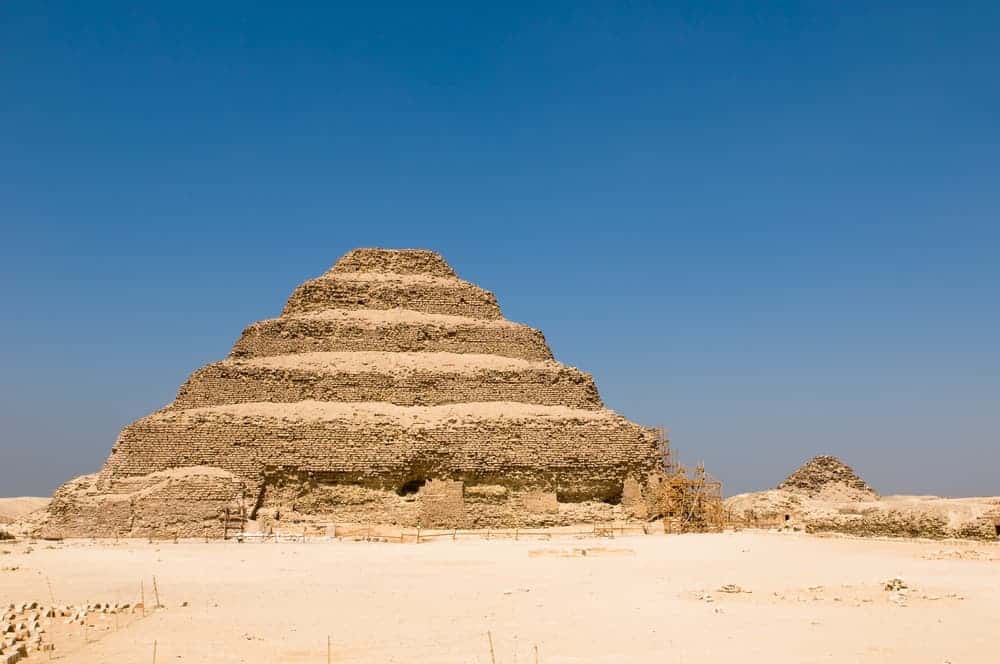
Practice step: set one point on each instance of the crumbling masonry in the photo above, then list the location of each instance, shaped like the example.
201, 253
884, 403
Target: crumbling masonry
388, 391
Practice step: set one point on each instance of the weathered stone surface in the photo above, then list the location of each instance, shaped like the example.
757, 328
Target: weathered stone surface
435, 295
175, 502
407, 261
389, 391
824, 472
398, 378
396, 330
442, 504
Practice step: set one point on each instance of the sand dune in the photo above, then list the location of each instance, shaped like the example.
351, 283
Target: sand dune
12, 509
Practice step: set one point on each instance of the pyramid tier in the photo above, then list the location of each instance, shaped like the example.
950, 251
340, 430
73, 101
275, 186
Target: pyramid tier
398, 261
371, 290
398, 330
407, 379
386, 445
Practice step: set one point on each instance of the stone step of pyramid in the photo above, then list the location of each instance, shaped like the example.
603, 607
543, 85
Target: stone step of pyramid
372, 290
407, 379
379, 439
397, 330
397, 261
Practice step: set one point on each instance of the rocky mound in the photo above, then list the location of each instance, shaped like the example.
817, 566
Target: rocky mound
826, 475
826, 495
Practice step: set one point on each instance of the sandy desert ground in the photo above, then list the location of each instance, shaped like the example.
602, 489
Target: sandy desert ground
12, 509
652, 598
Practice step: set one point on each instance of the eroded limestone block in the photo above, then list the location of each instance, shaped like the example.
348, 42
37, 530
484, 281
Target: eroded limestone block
442, 504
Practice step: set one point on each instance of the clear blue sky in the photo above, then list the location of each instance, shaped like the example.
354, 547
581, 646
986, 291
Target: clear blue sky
774, 231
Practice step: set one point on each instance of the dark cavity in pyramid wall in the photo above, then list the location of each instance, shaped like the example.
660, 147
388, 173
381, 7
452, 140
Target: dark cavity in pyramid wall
388, 391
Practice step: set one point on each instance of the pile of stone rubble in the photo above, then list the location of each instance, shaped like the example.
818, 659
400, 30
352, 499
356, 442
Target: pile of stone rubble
22, 631
24, 627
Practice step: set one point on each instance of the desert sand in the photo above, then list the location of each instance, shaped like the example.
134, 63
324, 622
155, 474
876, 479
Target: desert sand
12, 509
654, 598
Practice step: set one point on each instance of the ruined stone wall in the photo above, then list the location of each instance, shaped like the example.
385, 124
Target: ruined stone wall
434, 295
339, 332
436, 504
188, 502
226, 383
578, 458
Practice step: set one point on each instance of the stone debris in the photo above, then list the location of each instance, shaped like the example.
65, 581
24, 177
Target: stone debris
732, 588
898, 598
898, 590
25, 627
894, 584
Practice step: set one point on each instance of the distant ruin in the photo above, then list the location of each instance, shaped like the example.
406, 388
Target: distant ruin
824, 472
387, 391
825, 495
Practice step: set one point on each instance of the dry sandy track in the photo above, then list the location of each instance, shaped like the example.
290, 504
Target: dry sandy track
266, 602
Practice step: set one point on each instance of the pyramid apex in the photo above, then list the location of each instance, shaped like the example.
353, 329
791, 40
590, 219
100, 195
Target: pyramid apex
398, 261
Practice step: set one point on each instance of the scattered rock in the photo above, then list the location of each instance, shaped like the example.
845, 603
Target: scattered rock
895, 584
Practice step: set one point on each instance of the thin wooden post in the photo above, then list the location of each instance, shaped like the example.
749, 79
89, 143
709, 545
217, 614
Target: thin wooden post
142, 596
156, 593
418, 534
328, 660
493, 656
225, 526
154, 652
536, 653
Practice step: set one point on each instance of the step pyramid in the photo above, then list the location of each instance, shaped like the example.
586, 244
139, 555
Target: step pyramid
387, 391
827, 474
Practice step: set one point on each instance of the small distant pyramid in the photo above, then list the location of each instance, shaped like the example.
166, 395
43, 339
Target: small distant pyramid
823, 473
